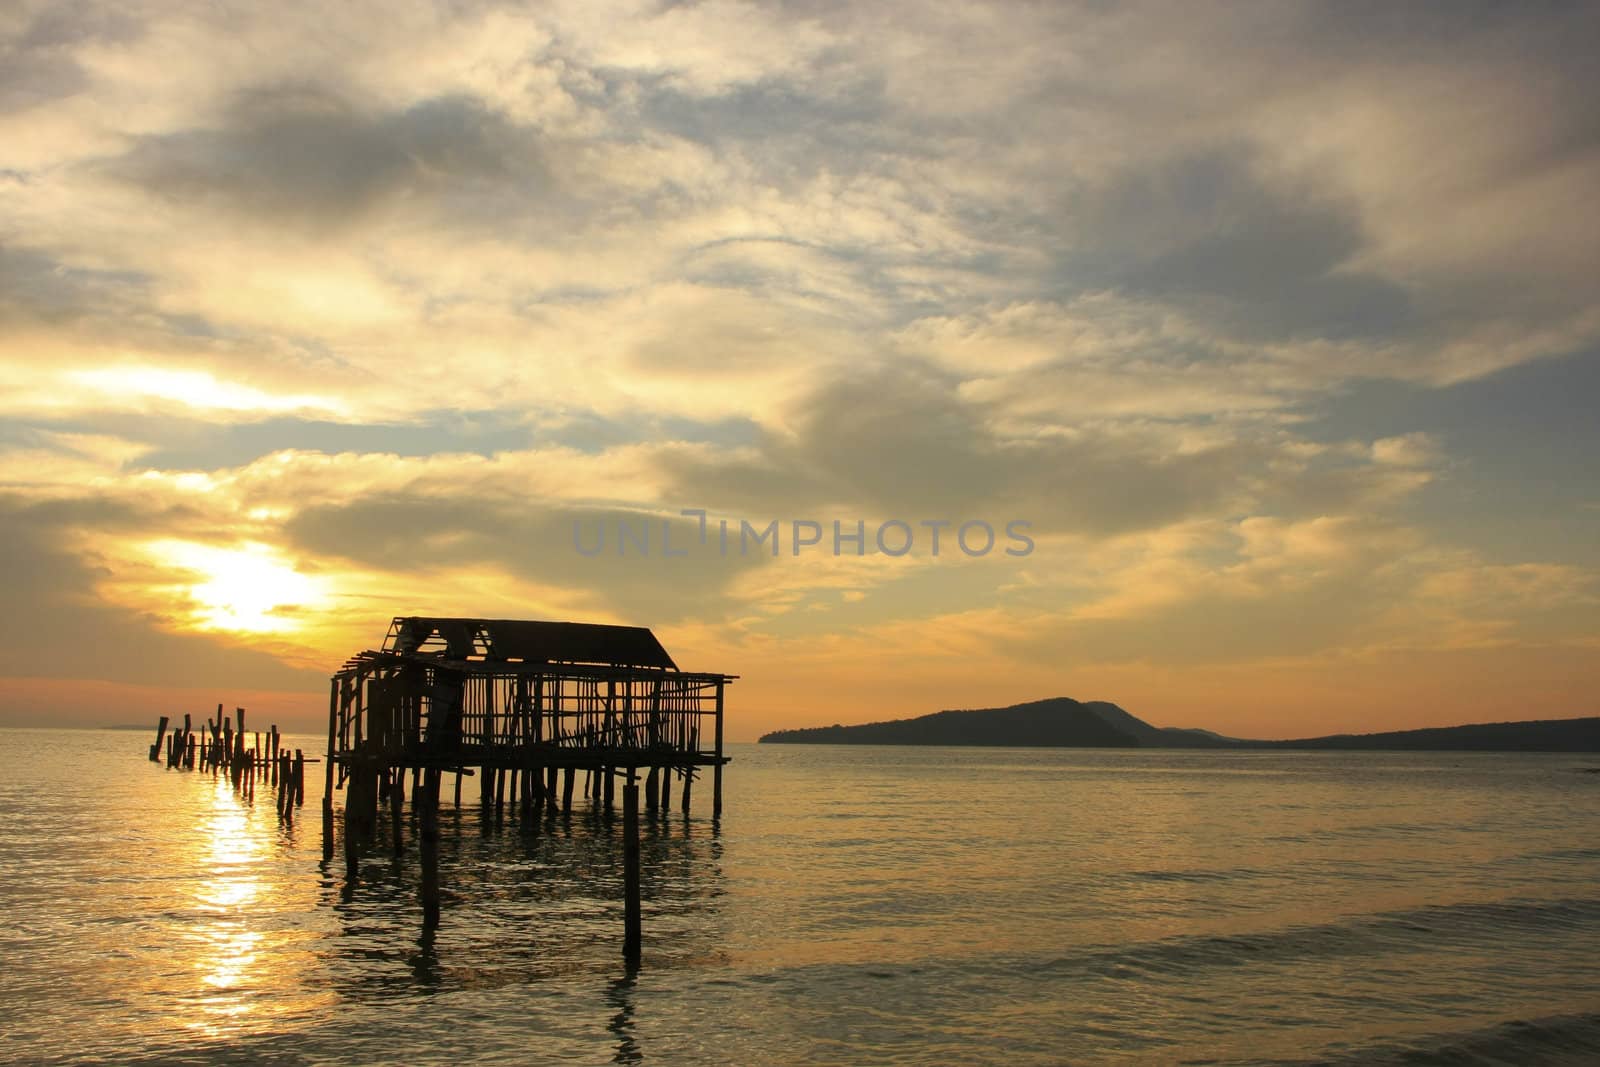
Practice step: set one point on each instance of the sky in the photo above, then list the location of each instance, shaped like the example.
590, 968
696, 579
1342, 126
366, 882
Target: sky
1269, 333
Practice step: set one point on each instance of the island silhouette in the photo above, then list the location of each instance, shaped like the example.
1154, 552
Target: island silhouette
1061, 722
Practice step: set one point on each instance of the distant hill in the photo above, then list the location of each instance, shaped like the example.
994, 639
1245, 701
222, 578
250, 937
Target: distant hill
1058, 722
1061, 722
1531, 735
1153, 736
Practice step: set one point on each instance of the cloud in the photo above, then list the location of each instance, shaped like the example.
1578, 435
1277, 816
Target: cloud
653, 576
395, 295
37, 289
906, 442
37, 41
1209, 237
544, 183
300, 155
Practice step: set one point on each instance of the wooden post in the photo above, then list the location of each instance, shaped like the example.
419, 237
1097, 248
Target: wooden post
286, 796
666, 790
550, 790
651, 789
688, 783
155, 749
566, 789
299, 778
354, 789
632, 933
428, 833
369, 805
397, 800
716, 774
327, 772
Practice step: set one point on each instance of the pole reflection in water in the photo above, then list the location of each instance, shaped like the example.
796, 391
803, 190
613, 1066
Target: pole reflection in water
620, 995
425, 960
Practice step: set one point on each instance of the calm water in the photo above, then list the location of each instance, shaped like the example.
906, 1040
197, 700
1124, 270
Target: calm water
858, 905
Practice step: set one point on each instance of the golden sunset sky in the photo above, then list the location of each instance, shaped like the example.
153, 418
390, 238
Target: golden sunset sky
1279, 323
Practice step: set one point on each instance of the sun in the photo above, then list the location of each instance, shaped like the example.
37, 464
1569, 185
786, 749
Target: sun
251, 588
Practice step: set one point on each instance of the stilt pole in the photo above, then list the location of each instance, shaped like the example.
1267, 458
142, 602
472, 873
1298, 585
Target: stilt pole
633, 933
427, 799
327, 772
716, 774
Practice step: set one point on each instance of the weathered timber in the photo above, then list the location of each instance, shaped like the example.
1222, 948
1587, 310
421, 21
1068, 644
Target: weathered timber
428, 837
397, 810
633, 924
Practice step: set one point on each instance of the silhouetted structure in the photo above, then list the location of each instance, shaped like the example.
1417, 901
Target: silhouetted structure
523, 706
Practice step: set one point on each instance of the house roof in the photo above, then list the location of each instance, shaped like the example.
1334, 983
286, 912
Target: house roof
528, 641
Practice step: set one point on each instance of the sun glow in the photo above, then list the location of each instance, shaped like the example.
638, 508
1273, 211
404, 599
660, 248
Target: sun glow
251, 588
193, 389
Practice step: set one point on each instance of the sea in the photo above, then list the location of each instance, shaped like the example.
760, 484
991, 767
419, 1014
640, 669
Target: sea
853, 905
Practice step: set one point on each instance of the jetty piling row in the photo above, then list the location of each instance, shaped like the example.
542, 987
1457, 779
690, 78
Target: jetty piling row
223, 751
